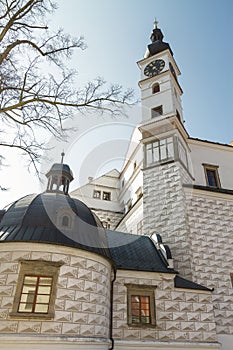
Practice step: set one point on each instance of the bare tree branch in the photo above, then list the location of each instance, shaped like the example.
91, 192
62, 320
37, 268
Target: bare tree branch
33, 98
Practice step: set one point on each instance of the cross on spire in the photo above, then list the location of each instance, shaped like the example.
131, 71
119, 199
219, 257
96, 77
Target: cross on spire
156, 22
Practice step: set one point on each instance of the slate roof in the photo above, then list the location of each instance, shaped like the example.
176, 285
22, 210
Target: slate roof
36, 218
133, 252
181, 282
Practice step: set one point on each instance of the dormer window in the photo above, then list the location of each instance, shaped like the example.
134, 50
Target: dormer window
155, 88
65, 221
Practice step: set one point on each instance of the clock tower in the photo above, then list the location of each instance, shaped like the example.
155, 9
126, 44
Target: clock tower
160, 89
166, 165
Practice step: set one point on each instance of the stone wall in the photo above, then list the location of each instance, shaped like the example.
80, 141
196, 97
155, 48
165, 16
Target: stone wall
82, 301
181, 315
165, 211
211, 230
130, 222
110, 217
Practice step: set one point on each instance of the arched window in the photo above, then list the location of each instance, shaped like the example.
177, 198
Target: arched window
155, 88
65, 221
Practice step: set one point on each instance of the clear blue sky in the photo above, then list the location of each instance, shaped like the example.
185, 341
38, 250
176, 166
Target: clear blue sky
199, 32
117, 33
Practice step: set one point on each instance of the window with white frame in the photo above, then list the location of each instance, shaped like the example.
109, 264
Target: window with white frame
159, 150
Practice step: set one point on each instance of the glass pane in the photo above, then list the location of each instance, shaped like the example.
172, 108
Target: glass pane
135, 319
162, 142
28, 289
44, 290
24, 298
163, 152
156, 154
145, 299
170, 150
135, 299
25, 307
41, 308
145, 319
149, 156
145, 306
45, 281
211, 175
30, 280
42, 299
135, 312
145, 312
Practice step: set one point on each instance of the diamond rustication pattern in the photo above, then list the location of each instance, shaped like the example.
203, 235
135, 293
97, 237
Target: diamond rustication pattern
82, 297
165, 211
211, 229
181, 315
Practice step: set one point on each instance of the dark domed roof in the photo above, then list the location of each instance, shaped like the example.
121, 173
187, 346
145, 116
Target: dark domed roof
54, 218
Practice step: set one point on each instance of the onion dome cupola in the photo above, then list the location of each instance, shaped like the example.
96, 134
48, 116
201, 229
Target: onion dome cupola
157, 45
59, 177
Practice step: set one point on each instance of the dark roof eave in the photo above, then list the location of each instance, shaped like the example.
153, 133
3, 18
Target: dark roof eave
180, 282
210, 189
168, 271
208, 141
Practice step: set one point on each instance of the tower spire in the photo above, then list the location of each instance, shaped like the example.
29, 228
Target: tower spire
156, 22
62, 156
156, 34
157, 44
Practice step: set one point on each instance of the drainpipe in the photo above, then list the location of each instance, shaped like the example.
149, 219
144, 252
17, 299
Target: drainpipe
111, 309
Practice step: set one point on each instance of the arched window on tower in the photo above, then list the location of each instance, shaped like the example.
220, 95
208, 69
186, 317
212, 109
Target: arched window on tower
155, 88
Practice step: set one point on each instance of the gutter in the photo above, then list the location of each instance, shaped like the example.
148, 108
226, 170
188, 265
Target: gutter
111, 309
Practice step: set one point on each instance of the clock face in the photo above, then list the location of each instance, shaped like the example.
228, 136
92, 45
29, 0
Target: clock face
154, 68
